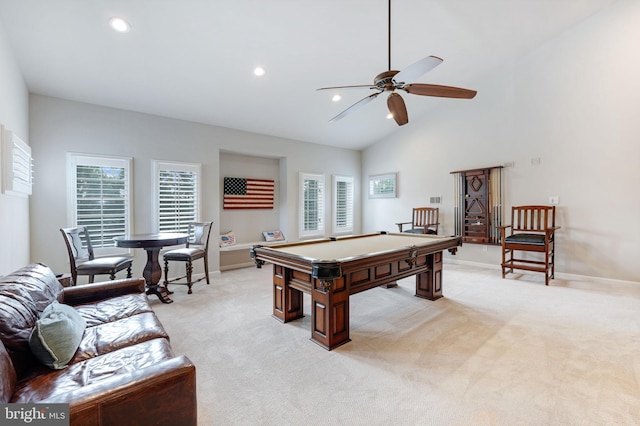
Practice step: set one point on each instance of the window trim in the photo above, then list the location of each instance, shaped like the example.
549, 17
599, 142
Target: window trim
75, 159
350, 227
156, 167
302, 233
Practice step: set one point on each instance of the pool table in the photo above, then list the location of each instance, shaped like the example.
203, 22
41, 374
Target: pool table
332, 269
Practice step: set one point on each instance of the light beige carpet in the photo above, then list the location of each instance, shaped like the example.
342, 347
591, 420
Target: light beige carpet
491, 352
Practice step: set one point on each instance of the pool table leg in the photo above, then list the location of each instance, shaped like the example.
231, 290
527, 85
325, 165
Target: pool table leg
330, 313
287, 301
429, 283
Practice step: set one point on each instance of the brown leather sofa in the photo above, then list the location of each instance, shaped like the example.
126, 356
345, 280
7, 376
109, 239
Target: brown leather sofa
123, 372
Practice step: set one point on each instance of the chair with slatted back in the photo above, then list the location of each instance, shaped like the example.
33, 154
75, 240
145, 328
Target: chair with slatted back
425, 221
197, 247
82, 260
532, 230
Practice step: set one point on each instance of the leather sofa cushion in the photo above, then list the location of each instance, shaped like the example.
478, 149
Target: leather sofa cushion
24, 294
113, 309
39, 282
8, 374
109, 337
93, 371
17, 317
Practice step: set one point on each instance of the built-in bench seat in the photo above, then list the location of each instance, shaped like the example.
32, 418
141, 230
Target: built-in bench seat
238, 255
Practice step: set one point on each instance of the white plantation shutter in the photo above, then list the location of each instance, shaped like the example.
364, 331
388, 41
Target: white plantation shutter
17, 165
99, 197
311, 205
177, 195
342, 204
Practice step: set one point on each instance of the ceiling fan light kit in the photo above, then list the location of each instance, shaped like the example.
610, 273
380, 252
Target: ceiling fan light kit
391, 80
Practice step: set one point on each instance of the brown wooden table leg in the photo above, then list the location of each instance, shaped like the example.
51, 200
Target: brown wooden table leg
429, 283
330, 313
152, 273
287, 302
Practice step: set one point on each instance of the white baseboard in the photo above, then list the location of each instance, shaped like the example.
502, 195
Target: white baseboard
559, 275
237, 266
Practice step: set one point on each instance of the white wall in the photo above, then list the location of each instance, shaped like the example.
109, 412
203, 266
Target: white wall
574, 104
14, 210
59, 126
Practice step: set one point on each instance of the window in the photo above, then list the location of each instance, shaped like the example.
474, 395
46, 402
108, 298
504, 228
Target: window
342, 204
311, 205
18, 164
176, 195
99, 198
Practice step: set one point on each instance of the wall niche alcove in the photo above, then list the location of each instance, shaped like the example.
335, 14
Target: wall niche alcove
247, 225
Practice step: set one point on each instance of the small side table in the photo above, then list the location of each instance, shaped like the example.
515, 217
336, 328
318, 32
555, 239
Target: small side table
65, 280
152, 243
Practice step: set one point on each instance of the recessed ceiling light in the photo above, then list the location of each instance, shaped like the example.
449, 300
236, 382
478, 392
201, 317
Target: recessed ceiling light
119, 25
336, 98
259, 71
389, 116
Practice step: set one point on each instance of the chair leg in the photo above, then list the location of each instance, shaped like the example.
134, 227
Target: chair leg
189, 272
129, 272
503, 261
553, 261
206, 269
166, 273
551, 264
546, 266
90, 279
112, 275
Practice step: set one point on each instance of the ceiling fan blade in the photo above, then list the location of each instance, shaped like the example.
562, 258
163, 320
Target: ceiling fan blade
362, 102
440, 91
413, 71
398, 109
361, 86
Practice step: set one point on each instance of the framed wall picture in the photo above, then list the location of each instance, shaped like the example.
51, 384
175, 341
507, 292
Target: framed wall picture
383, 186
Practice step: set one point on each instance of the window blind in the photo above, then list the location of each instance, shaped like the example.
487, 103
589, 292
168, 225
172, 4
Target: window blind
312, 208
102, 202
343, 204
17, 164
177, 200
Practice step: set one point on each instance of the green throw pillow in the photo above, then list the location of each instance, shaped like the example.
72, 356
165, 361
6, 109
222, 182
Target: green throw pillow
57, 334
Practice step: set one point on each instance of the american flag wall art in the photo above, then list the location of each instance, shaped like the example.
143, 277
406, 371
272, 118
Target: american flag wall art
241, 193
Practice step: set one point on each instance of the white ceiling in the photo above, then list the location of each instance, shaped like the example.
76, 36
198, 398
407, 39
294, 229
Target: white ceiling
194, 59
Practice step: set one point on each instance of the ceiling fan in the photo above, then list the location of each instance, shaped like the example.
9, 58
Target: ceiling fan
391, 80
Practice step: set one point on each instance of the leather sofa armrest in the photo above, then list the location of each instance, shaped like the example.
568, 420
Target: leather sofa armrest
102, 290
164, 393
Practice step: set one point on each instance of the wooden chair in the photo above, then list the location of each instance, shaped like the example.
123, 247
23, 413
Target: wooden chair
532, 229
82, 260
197, 247
425, 221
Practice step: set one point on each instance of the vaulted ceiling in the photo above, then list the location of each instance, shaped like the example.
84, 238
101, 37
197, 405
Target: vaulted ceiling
194, 59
